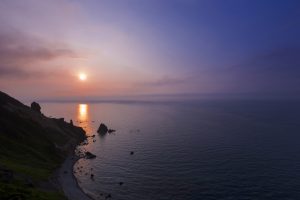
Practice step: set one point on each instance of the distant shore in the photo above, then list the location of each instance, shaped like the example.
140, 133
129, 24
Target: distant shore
68, 181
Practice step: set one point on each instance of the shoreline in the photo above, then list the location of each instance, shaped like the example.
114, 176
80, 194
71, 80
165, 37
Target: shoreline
68, 182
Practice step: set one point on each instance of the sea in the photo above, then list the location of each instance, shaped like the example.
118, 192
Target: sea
188, 150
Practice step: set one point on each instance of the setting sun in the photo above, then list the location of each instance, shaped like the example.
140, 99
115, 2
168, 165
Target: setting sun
82, 76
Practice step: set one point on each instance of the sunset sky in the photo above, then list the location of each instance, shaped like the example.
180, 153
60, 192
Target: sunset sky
149, 47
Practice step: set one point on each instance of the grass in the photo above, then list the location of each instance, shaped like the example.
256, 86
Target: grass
18, 191
29, 150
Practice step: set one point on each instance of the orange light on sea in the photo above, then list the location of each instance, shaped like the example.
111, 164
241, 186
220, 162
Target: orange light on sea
82, 112
83, 117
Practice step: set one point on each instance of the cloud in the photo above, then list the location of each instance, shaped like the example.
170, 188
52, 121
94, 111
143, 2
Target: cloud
13, 72
22, 55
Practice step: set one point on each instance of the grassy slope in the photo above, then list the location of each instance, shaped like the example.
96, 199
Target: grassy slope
29, 145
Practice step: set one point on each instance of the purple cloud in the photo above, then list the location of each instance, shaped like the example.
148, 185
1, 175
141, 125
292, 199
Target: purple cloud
21, 54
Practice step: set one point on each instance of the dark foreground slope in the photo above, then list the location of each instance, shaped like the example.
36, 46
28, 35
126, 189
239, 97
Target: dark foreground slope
32, 146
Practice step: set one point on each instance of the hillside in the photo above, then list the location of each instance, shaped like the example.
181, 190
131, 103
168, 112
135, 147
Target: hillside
32, 146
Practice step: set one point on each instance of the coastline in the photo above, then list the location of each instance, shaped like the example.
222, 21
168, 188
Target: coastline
68, 182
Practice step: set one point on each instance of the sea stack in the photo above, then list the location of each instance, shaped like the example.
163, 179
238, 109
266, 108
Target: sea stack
102, 130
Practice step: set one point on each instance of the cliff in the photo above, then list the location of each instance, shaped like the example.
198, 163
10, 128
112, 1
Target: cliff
32, 146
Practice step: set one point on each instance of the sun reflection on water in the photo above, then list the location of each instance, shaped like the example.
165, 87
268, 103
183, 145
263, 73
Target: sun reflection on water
82, 112
83, 117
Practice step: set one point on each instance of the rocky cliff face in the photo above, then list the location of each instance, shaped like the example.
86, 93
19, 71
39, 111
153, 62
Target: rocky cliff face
21, 123
31, 144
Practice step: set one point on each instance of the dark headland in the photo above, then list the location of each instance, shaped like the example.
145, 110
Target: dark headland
32, 149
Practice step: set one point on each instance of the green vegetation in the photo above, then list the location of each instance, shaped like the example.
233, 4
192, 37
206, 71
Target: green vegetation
32, 146
18, 191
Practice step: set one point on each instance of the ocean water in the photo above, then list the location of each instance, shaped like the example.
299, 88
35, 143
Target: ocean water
189, 150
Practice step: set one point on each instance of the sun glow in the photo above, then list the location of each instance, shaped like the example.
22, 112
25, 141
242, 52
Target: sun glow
83, 117
82, 76
82, 111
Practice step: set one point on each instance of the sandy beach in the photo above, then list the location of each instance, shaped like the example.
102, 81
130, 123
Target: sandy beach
68, 181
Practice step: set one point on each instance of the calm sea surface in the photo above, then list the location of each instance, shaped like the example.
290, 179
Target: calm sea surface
192, 150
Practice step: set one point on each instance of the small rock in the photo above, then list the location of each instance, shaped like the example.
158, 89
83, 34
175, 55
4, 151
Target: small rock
36, 107
89, 155
111, 130
61, 120
121, 183
131, 153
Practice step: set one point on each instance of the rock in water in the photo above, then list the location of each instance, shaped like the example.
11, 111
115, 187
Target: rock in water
36, 107
111, 130
102, 130
89, 155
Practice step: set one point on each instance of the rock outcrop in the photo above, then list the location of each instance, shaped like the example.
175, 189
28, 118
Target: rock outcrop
111, 131
102, 130
31, 143
36, 107
89, 155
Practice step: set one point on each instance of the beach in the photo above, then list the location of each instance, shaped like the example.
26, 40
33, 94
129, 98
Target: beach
68, 182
